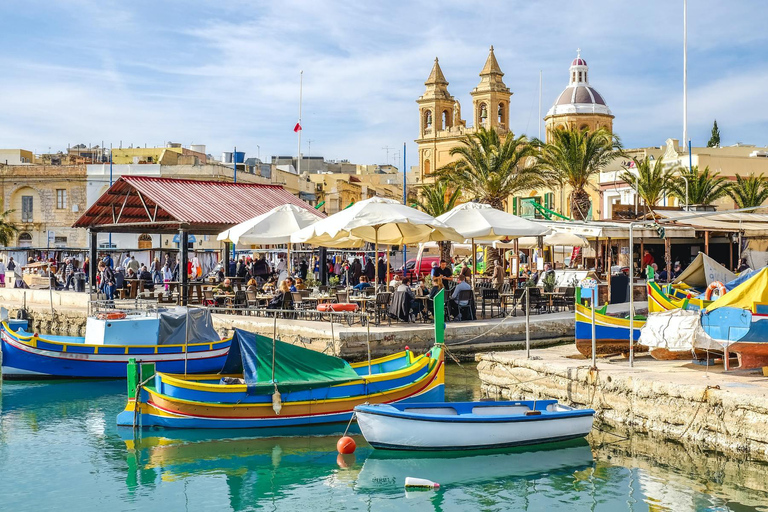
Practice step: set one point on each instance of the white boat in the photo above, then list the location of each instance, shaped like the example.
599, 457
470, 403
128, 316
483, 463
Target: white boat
470, 425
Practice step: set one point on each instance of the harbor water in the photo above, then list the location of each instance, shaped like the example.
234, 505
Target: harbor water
60, 450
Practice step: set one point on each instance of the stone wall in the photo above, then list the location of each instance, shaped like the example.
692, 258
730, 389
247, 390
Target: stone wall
676, 408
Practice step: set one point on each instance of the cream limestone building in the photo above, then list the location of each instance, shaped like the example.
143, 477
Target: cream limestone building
441, 126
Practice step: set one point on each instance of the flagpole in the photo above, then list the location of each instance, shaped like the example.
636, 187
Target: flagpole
685, 73
298, 154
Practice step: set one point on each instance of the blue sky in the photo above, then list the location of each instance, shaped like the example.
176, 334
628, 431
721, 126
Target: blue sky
227, 73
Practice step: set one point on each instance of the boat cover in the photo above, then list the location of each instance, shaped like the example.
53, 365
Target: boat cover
296, 368
703, 271
677, 330
174, 330
753, 290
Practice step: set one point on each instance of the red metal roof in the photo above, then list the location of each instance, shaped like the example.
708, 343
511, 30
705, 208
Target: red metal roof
137, 203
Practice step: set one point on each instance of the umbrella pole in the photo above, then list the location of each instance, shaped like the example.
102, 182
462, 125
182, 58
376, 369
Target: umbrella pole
288, 257
474, 262
376, 260
387, 283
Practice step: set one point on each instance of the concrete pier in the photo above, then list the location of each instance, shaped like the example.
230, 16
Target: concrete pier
677, 400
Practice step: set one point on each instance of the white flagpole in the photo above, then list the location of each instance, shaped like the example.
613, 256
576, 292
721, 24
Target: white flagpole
298, 155
685, 73
540, 73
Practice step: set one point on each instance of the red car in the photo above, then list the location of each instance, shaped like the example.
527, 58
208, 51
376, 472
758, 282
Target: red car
424, 269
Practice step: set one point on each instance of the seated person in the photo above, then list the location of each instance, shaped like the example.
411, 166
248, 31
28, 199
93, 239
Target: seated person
291, 284
395, 282
405, 287
225, 287
146, 276
279, 298
454, 304
421, 289
443, 270
252, 286
270, 285
300, 284
363, 284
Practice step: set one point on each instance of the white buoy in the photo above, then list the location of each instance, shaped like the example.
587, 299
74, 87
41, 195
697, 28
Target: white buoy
420, 483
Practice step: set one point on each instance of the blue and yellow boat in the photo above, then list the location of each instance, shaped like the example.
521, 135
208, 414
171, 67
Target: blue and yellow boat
109, 344
268, 383
611, 333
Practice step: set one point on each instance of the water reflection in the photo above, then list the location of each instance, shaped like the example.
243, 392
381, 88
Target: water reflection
66, 432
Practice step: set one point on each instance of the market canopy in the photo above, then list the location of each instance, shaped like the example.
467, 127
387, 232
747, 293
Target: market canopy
483, 222
751, 224
703, 271
135, 204
273, 227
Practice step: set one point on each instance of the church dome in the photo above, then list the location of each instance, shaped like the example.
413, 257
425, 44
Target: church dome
579, 97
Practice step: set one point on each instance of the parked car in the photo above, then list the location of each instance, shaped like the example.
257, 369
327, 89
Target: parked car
424, 269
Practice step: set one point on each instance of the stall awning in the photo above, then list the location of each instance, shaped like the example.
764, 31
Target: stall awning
162, 205
615, 230
751, 224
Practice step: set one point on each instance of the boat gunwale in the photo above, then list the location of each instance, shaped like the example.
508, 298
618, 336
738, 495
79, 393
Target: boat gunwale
190, 382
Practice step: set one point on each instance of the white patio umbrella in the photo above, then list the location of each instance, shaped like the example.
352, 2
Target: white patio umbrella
559, 238
378, 220
273, 227
477, 221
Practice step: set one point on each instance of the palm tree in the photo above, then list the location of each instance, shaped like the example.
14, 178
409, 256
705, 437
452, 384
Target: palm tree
573, 157
751, 191
704, 188
652, 180
489, 170
7, 229
435, 200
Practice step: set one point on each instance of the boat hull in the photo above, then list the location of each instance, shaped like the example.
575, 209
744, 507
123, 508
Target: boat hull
34, 357
434, 431
611, 333
155, 409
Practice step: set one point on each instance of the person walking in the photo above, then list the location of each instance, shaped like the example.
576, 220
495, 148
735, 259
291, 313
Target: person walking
2, 273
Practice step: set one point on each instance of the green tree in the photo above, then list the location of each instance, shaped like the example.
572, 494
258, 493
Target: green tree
652, 180
573, 157
435, 200
751, 191
704, 188
714, 140
489, 170
8, 229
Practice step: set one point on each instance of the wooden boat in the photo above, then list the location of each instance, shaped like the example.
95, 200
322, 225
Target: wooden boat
611, 333
305, 388
738, 321
108, 346
470, 425
674, 298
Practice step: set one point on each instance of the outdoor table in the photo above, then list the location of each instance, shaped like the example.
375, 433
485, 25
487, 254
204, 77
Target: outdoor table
133, 287
227, 299
550, 296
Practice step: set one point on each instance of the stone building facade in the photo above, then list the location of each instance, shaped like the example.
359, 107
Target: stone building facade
45, 201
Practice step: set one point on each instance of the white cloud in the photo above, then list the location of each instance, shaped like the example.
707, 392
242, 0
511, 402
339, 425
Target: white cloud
227, 74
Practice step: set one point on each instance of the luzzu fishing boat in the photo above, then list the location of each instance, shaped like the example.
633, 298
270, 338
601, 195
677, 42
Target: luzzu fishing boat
611, 333
666, 298
268, 383
162, 337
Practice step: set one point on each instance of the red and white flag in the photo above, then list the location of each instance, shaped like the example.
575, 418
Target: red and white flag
297, 128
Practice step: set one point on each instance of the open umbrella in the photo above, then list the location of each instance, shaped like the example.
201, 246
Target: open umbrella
378, 220
273, 227
477, 221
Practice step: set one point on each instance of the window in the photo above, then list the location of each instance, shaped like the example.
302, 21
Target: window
61, 198
501, 113
60, 241
26, 209
427, 168
25, 240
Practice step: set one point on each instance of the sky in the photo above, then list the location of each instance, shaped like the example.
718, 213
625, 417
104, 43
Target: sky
227, 73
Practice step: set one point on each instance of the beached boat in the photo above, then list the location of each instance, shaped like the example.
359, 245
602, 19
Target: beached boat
470, 425
163, 337
665, 298
611, 333
305, 387
738, 321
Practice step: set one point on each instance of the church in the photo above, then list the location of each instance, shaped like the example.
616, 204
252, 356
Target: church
441, 126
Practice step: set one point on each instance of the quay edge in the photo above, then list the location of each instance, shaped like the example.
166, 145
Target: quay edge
675, 400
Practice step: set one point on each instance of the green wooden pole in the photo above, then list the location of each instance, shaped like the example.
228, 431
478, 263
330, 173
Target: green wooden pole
439, 314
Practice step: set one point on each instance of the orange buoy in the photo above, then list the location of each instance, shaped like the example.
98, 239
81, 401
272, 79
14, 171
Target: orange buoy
346, 445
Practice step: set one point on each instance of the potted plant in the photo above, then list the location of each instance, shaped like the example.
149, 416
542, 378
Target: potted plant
548, 281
